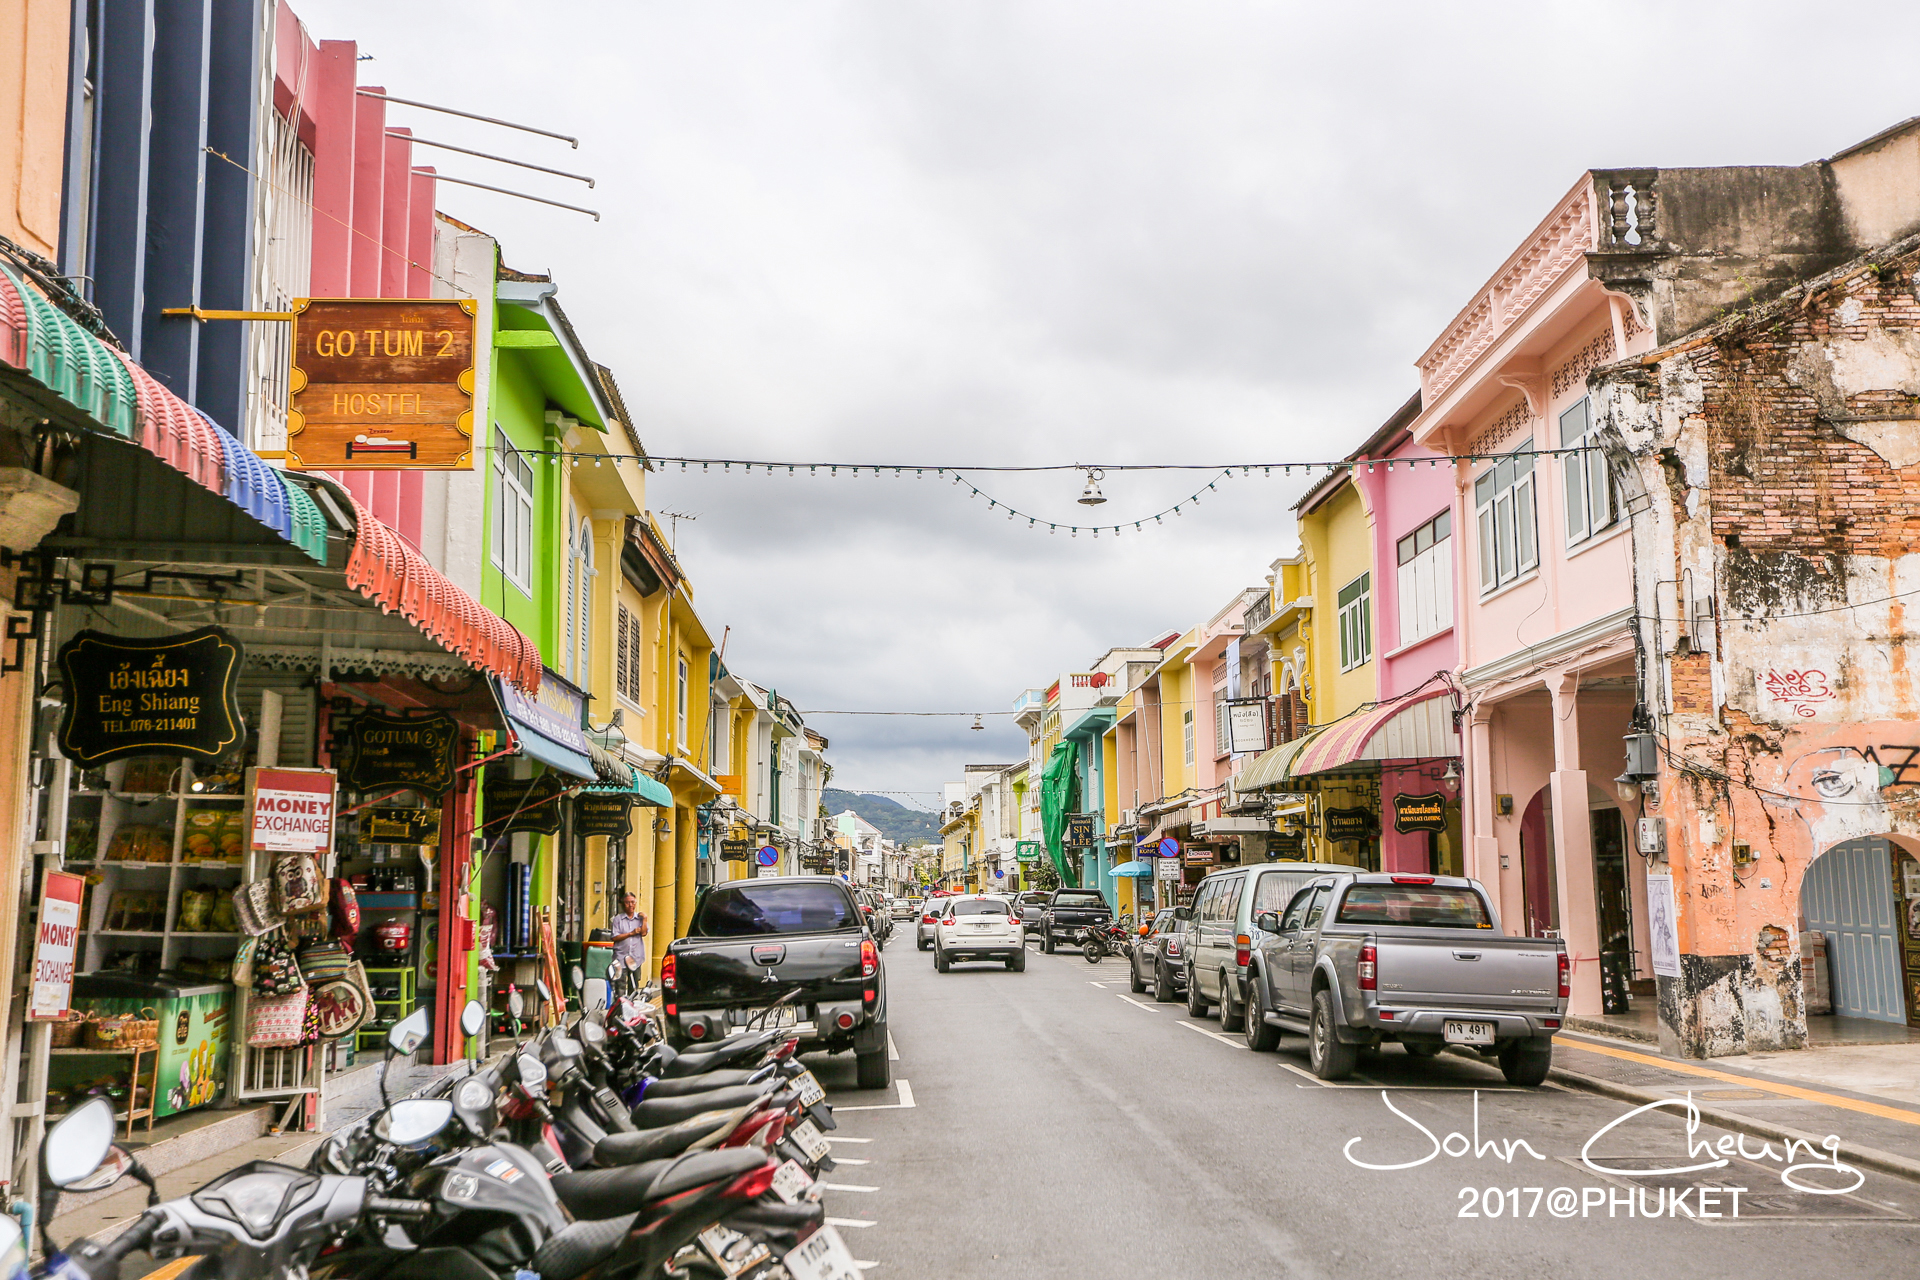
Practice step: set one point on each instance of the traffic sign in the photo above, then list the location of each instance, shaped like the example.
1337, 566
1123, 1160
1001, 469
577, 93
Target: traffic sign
768, 856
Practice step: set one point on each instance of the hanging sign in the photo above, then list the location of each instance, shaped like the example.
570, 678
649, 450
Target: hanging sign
1285, 846
290, 810
402, 826
1247, 724
381, 384
54, 944
529, 805
603, 815
1079, 832
399, 751
1198, 855
736, 850
1420, 813
1026, 851
175, 695
1167, 869
1348, 824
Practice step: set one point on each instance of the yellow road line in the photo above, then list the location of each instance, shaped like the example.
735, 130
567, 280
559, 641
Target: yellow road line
1749, 1082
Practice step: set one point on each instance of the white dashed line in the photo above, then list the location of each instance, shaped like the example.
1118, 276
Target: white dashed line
849, 1159
851, 1222
1213, 1035
847, 1186
905, 1103
849, 1139
893, 1050
1147, 1008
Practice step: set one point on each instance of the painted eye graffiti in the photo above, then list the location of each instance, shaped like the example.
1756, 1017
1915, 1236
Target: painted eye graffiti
1831, 784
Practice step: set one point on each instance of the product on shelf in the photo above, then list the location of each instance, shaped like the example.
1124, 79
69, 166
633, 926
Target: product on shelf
149, 775
83, 832
136, 912
196, 910
138, 842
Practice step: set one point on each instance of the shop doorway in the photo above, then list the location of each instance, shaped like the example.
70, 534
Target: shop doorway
1540, 891
1856, 895
1613, 908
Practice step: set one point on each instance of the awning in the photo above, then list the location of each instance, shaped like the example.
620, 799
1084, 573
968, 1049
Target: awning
547, 725
643, 788
1418, 726
1270, 767
1138, 869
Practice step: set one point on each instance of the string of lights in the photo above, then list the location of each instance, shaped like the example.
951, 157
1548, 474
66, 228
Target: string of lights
1091, 496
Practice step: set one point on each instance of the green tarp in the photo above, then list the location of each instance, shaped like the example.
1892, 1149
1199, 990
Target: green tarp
1059, 783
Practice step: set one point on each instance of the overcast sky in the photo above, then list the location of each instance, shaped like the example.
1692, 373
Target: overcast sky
977, 232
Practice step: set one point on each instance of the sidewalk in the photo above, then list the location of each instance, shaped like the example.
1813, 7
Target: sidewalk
1868, 1096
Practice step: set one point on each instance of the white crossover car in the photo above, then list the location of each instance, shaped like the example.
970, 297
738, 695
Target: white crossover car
978, 928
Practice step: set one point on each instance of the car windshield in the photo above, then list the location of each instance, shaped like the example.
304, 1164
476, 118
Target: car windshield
732, 911
979, 907
1423, 906
1081, 898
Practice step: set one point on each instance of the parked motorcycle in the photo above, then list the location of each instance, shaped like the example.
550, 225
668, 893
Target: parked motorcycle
1099, 941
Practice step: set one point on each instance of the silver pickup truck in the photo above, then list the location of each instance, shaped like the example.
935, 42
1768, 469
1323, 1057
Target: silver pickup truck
1356, 960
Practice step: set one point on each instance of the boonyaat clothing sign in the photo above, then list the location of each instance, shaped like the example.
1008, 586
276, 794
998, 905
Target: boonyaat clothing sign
170, 695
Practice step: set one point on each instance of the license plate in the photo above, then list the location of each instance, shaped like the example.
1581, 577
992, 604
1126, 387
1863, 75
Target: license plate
811, 1140
1468, 1033
810, 1090
822, 1256
760, 1019
733, 1252
794, 1184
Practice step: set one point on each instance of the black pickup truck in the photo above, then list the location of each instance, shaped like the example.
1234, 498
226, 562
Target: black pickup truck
780, 951
1069, 911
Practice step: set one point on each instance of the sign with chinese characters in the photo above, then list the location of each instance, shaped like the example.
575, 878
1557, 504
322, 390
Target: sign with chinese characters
1420, 813
1247, 725
173, 695
401, 751
1349, 824
1079, 831
54, 944
291, 810
603, 815
381, 384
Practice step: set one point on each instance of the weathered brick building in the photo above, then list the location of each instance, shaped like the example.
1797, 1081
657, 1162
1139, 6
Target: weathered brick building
1770, 464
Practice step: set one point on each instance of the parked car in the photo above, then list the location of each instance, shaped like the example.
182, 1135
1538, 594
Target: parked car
1067, 912
1157, 958
1219, 933
1355, 961
978, 927
1031, 905
805, 933
901, 908
873, 910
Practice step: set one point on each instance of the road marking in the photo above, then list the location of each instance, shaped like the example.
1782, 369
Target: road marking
1135, 1003
1229, 1041
851, 1222
849, 1139
905, 1103
847, 1186
893, 1050
850, 1159
1751, 1082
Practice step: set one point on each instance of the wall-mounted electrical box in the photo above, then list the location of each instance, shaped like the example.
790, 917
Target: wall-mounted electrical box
1643, 756
1504, 805
1650, 835
1742, 854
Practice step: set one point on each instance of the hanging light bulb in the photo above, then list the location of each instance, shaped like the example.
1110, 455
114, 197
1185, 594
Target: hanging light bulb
977, 723
1091, 495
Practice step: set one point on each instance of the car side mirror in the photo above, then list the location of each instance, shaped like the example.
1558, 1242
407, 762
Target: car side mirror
1268, 921
1183, 914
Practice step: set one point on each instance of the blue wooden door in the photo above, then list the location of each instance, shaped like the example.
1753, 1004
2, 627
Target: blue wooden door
1848, 896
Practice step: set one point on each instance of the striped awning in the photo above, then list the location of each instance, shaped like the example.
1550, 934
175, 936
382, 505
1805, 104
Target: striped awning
1271, 767
1418, 726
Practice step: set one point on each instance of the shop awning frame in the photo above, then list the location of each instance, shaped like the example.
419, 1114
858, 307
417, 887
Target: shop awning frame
1416, 726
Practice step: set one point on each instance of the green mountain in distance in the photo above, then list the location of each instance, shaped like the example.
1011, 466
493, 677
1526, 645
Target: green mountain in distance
896, 822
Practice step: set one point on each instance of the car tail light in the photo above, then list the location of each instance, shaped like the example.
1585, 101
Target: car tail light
751, 1186
1413, 879
869, 959
927, 918
1369, 968
1387, 1015
1566, 976
698, 1031
844, 1021
1552, 1024
786, 1050
947, 920
667, 975
1242, 950
1173, 946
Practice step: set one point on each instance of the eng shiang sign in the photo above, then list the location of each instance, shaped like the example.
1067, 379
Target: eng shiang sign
381, 384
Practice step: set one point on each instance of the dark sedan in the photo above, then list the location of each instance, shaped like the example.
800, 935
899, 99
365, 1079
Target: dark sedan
1029, 906
1157, 961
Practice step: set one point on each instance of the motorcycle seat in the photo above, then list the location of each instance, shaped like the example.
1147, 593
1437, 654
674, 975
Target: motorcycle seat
653, 1144
684, 1086
606, 1193
698, 1168
651, 1114
691, 1062
578, 1248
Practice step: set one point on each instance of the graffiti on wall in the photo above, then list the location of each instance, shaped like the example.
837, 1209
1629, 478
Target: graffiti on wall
1801, 691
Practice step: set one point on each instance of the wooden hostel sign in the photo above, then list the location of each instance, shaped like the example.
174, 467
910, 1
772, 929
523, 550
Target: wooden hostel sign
169, 696
381, 384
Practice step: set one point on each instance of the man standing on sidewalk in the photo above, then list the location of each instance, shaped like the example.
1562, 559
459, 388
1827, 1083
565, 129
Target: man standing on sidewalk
629, 930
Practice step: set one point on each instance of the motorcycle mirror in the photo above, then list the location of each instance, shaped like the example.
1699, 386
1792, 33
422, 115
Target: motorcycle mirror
540, 985
533, 1075
591, 1034
473, 1017
579, 977
593, 993
516, 1003
80, 1145
406, 1034
13, 1247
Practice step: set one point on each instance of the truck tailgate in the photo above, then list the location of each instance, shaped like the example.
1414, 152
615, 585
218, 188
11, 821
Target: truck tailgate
1453, 968
736, 971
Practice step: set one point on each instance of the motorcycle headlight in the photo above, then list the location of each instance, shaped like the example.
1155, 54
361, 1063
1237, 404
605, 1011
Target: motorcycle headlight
474, 1096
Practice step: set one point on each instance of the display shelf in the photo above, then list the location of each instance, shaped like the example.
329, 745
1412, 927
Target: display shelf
376, 1031
130, 933
136, 1052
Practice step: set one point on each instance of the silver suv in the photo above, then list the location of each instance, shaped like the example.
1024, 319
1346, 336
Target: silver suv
1219, 935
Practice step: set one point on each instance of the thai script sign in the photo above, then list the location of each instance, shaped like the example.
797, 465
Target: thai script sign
381, 384
530, 805
1420, 813
54, 944
1349, 824
290, 810
1079, 831
399, 751
175, 695
603, 815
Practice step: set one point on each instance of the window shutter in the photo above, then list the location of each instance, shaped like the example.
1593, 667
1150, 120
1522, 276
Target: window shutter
620, 652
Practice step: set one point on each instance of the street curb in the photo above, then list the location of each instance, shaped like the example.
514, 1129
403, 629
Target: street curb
1866, 1157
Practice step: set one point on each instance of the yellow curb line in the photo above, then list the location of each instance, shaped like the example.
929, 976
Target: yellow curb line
1749, 1082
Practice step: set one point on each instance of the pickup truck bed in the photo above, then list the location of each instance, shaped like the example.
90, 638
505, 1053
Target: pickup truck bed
798, 942
1359, 960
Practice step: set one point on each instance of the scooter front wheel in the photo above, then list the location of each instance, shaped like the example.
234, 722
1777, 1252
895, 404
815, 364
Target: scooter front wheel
1092, 951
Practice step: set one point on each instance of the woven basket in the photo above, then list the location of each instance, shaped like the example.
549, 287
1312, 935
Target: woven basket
108, 1033
143, 1032
67, 1031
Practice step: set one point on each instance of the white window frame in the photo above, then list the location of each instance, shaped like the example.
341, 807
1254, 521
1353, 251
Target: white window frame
512, 512
1356, 622
680, 703
1425, 579
1186, 728
1507, 520
1585, 479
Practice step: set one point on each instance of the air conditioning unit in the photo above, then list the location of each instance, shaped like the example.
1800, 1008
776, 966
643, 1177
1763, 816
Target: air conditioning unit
1126, 817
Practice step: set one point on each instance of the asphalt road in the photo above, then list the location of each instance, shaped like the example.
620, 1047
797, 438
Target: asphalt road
1049, 1123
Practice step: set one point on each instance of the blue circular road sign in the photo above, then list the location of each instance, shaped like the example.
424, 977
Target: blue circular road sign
768, 856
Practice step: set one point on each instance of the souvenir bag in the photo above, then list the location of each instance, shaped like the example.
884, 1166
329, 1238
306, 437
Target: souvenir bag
338, 1008
346, 908
275, 971
278, 1022
243, 962
297, 884
323, 961
253, 908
